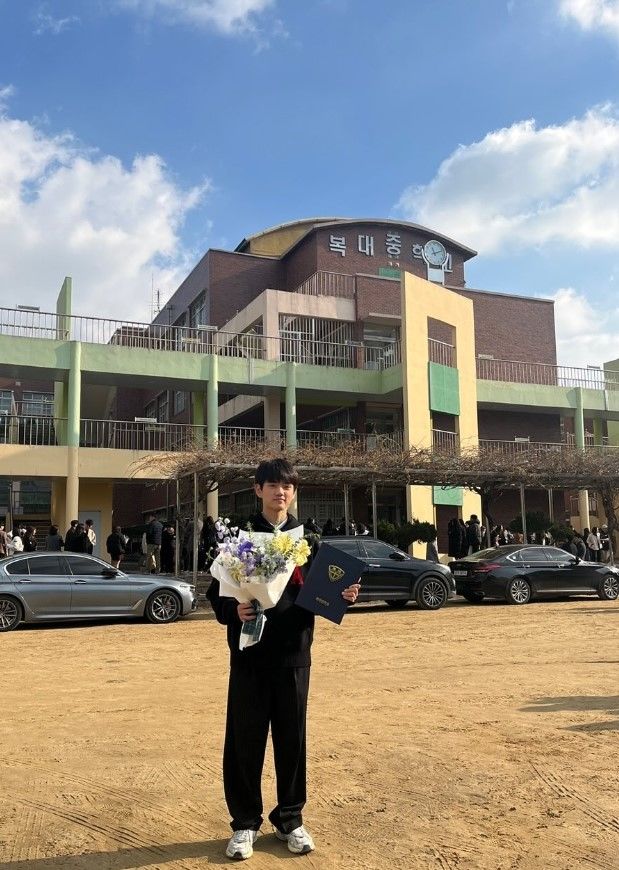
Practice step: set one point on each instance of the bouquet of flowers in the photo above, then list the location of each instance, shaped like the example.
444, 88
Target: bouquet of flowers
255, 568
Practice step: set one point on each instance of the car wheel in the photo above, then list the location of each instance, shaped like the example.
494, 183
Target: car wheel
163, 606
431, 593
609, 590
397, 603
473, 597
10, 613
518, 591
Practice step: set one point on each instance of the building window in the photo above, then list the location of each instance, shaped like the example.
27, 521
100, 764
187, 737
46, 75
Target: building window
197, 311
162, 408
179, 401
6, 401
38, 404
151, 411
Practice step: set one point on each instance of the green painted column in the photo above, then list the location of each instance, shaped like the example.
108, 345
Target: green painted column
212, 404
579, 431
75, 393
579, 420
73, 432
598, 431
291, 405
212, 428
198, 410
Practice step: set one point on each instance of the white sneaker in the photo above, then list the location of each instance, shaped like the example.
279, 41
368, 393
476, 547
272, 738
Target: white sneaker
299, 841
241, 844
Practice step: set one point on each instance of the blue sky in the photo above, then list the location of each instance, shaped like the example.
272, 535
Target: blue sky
135, 134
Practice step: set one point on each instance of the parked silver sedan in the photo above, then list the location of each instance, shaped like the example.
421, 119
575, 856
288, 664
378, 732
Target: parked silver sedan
41, 587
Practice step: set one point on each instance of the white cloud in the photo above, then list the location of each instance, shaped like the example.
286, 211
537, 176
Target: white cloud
44, 22
68, 211
586, 333
226, 16
525, 186
593, 14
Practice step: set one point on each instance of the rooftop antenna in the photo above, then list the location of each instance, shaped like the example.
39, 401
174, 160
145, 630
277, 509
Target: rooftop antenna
155, 299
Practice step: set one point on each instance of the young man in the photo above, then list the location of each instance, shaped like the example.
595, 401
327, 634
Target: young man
269, 684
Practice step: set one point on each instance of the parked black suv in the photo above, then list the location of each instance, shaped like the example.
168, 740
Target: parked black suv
395, 577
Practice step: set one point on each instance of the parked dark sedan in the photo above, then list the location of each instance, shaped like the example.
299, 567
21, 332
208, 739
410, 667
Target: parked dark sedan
395, 577
41, 587
519, 573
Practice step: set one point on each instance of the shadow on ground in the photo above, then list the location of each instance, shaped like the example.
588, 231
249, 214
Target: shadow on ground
212, 851
608, 704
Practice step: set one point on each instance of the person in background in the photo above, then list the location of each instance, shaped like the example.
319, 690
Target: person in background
53, 541
115, 546
310, 525
328, 530
92, 538
153, 544
465, 545
68, 538
455, 537
605, 543
594, 544
30, 543
209, 536
432, 550
581, 547
4, 542
80, 542
168, 541
362, 529
17, 542
473, 534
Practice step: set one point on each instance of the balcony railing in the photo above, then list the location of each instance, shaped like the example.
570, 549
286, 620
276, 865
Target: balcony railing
513, 371
30, 430
129, 435
444, 441
201, 340
328, 284
441, 352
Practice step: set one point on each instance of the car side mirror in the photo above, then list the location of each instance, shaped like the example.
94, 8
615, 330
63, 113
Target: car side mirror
109, 572
398, 557
577, 560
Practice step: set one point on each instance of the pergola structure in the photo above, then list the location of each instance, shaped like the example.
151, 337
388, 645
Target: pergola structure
344, 465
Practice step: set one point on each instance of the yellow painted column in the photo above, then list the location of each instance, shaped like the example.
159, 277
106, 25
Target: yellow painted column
422, 300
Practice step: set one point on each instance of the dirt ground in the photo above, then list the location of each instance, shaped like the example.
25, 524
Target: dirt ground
475, 737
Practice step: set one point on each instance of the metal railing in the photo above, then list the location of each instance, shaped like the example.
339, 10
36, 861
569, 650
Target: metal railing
543, 374
329, 284
129, 435
441, 352
248, 436
30, 430
444, 441
202, 340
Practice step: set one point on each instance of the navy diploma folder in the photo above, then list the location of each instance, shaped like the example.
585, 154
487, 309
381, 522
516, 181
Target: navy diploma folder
331, 572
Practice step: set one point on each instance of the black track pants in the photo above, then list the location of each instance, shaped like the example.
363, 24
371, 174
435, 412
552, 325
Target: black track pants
258, 698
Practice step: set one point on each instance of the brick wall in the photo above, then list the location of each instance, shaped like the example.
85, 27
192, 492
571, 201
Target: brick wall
236, 279
513, 327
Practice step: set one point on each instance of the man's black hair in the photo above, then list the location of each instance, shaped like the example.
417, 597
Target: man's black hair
276, 471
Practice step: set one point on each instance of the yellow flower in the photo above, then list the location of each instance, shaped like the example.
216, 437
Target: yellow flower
301, 552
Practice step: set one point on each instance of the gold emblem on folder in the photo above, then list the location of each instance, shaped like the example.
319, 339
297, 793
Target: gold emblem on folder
335, 573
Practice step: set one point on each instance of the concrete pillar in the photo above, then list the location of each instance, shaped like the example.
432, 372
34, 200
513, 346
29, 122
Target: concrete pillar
291, 405
212, 430
272, 418
212, 404
598, 431
73, 433
579, 432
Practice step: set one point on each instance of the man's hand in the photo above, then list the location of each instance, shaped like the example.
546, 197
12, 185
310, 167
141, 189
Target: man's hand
351, 592
246, 612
